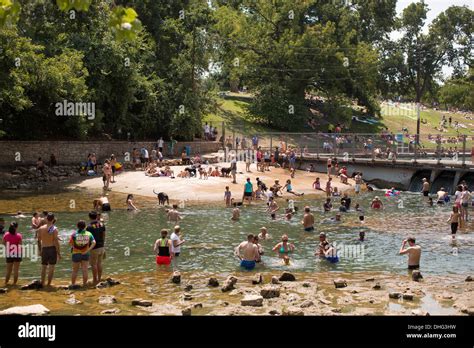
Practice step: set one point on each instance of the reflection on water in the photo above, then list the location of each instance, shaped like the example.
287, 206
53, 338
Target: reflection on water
211, 236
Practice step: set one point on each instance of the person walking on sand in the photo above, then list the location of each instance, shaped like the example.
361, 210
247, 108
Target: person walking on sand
358, 182
107, 171
49, 248
82, 242
308, 220
12, 240
413, 251
233, 170
247, 252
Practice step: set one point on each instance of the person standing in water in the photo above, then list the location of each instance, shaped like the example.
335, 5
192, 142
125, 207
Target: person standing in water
130, 205
227, 196
273, 208
308, 220
376, 203
173, 214
413, 251
13, 244
455, 220
82, 242
97, 228
358, 182
426, 187
49, 248
176, 241
284, 248
248, 254
235, 213
162, 249
263, 235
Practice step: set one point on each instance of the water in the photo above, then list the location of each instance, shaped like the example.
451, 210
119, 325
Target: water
211, 237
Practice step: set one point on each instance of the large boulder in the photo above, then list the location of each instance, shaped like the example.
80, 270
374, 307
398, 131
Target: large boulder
213, 282
292, 311
287, 277
229, 284
416, 276
36, 309
257, 279
340, 283
252, 300
270, 292
176, 278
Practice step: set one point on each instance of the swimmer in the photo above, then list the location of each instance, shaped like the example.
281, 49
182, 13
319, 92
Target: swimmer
173, 214
442, 194
288, 214
430, 201
284, 248
273, 208
19, 215
361, 213
308, 220
162, 249
35, 221
335, 219
289, 189
327, 206
413, 251
455, 220
235, 213
263, 235
335, 192
247, 252
130, 205
376, 203
102, 203
361, 236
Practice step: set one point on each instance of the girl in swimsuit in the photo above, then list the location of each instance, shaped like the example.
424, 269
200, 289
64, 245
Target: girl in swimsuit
162, 249
284, 248
289, 189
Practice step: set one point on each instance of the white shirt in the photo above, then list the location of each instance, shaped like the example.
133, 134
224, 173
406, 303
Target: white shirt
458, 194
175, 237
160, 143
145, 153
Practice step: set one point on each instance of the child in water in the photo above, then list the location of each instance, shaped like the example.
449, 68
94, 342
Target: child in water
235, 213
455, 220
227, 196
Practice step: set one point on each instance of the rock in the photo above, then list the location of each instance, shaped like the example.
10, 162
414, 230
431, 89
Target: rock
112, 281
469, 279
74, 287
293, 298
188, 287
107, 299
446, 296
34, 285
16, 172
354, 291
287, 277
229, 284
419, 312
324, 301
36, 309
292, 311
176, 278
470, 311
198, 305
142, 303
252, 300
306, 304
187, 297
72, 300
110, 311
186, 311
336, 310
270, 292
340, 283
274, 312
213, 282
275, 280
416, 276
408, 297
370, 279
107, 283
395, 295
306, 285
3, 290
258, 279
377, 286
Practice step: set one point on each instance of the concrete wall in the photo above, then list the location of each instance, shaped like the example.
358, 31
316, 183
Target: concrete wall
14, 153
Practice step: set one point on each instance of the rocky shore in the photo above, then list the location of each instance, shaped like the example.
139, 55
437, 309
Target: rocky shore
283, 294
26, 178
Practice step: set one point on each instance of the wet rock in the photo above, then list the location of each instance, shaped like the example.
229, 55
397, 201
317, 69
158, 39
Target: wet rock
112, 282
469, 279
34, 285
306, 285
293, 298
176, 278
470, 311
252, 300
354, 291
187, 311
198, 305
187, 297
275, 280
287, 277
340, 283
419, 312
188, 287
274, 312
257, 279
229, 284
324, 301
395, 295
446, 296
336, 310
416, 276
3, 290
306, 304
408, 297
370, 279
270, 292
292, 311
72, 300
107, 299
213, 282
377, 286
142, 303
36, 309
110, 311
74, 287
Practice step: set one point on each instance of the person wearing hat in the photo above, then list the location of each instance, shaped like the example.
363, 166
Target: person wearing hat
376, 203
426, 187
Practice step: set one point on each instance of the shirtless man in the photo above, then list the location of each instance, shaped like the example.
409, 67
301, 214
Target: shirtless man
441, 196
173, 214
263, 235
273, 208
308, 220
426, 187
235, 213
49, 248
247, 252
413, 251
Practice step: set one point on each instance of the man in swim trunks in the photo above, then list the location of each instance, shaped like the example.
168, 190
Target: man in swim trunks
413, 251
426, 187
173, 214
441, 196
308, 220
49, 248
247, 252
162, 249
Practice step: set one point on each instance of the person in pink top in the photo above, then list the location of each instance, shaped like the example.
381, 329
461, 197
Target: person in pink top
12, 241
